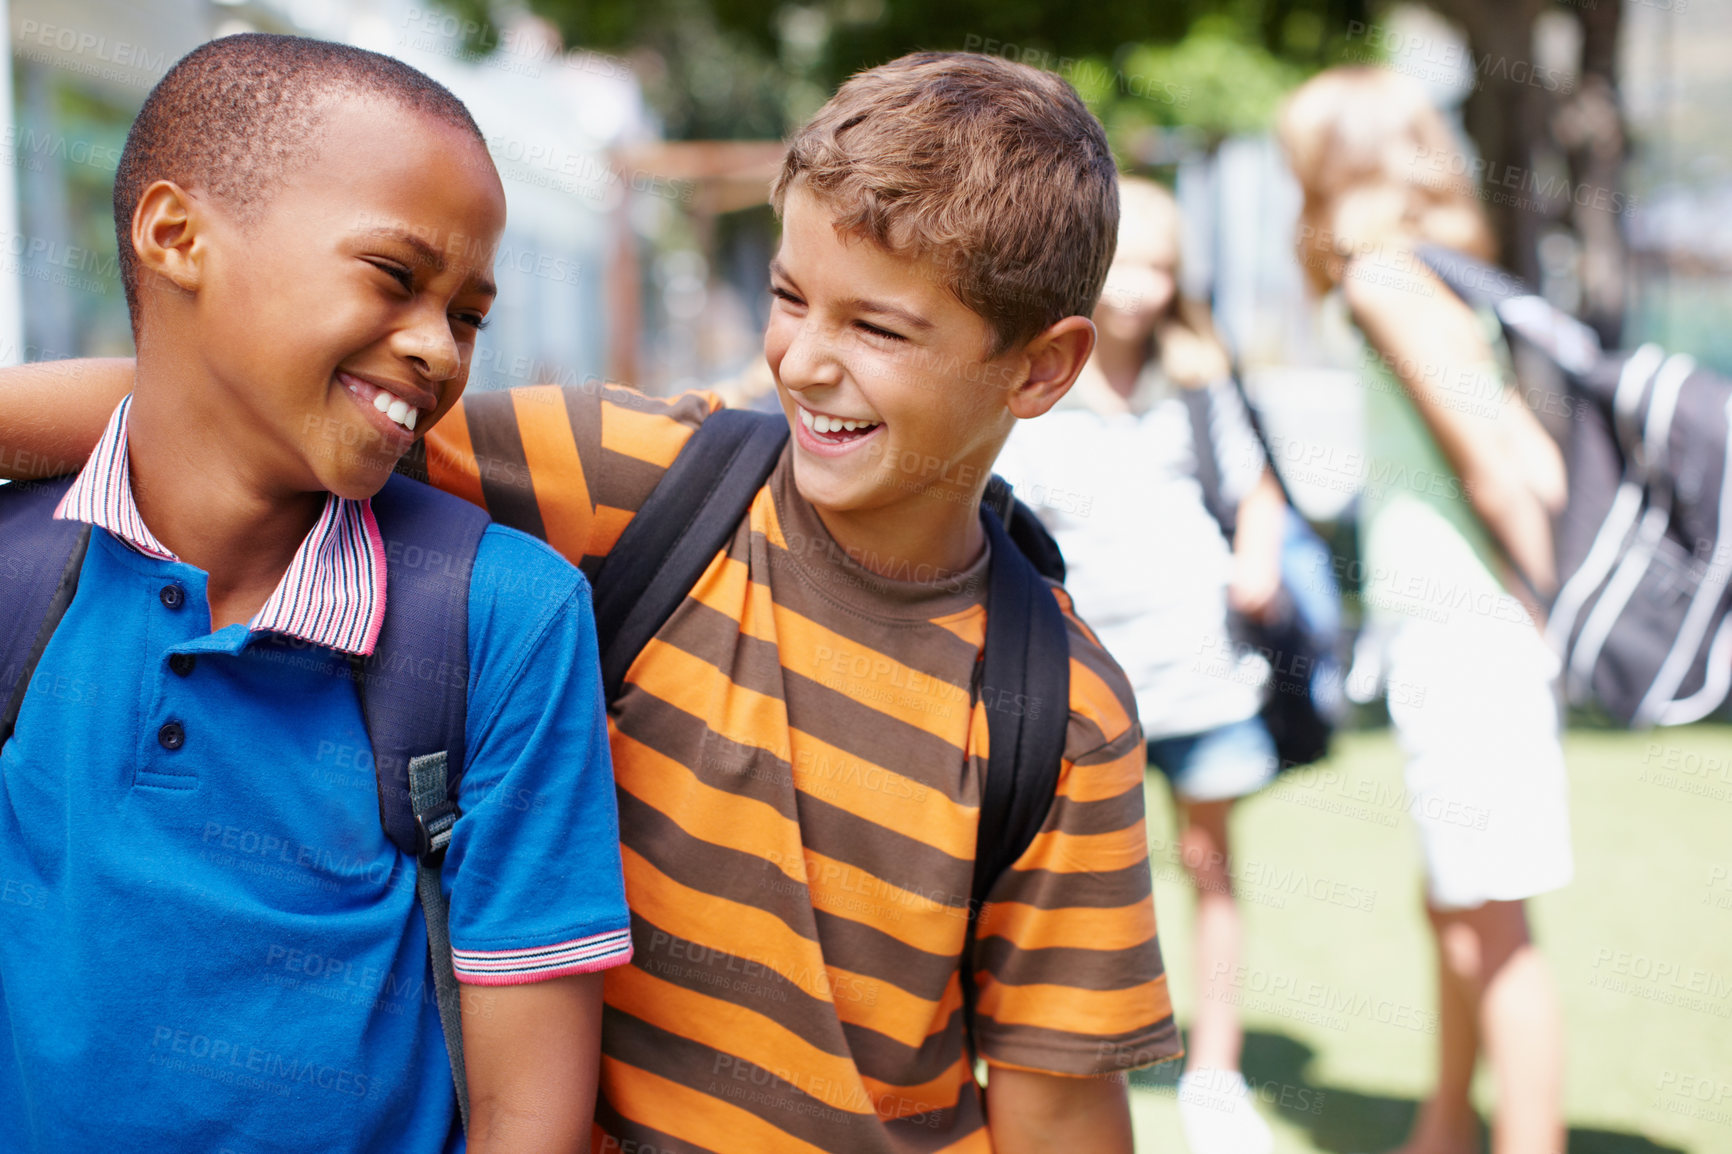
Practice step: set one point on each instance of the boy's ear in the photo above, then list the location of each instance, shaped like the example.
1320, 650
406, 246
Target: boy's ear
166, 232
1055, 356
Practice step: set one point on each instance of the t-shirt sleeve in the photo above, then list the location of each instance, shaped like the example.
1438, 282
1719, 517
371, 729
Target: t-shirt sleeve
567, 464
1069, 970
533, 868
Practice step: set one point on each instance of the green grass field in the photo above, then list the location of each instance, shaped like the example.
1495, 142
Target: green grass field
1337, 986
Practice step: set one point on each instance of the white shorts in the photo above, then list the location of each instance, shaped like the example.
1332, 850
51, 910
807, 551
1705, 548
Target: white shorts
1475, 711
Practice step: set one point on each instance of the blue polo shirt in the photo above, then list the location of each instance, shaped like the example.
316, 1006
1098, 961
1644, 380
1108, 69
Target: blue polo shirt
206, 940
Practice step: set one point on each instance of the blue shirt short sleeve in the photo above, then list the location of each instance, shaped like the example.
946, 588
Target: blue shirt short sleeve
533, 869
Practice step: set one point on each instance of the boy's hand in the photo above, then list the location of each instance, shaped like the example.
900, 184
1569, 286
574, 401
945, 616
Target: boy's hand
52, 414
532, 1053
1030, 1113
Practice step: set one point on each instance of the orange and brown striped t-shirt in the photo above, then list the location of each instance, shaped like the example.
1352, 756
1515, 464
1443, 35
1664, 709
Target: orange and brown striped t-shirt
798, 755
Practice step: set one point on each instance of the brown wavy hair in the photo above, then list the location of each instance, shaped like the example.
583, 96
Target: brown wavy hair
995, 171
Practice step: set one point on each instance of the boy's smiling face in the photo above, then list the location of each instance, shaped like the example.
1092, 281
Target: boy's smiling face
346, 311
859, 335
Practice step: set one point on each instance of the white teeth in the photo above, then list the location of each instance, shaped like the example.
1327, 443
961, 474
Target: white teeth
399, 410
819, 423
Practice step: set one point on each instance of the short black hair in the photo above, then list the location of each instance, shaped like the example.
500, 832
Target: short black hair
234, 116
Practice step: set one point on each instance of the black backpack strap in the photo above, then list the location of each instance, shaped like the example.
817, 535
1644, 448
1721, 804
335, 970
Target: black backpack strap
1566, 341
1026, 531
415, 685
1024, 684
672, 539
1196, 402
1476, 282
435, 811
1214, 492
414, 694
40, 560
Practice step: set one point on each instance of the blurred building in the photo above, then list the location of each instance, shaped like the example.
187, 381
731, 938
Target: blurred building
1678, 96
552, 119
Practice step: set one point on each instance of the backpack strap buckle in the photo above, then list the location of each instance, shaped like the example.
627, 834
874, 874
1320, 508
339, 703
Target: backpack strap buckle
430, 798
435, 828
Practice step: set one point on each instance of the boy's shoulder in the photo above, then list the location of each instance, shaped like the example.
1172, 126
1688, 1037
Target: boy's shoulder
518, 584
1103, 706
512, 430
433, 545
508, 557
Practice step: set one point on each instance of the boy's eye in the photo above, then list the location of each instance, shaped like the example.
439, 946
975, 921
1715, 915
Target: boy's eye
473, 320
396, 272
783, 294
878, 332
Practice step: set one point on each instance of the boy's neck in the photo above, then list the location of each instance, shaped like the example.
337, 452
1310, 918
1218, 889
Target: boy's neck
893, 541
199, 485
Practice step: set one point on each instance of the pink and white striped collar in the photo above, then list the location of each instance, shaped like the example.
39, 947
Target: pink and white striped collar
333, 593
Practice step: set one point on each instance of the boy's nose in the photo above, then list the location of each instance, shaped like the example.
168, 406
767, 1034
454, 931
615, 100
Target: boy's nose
432, 349
809, 361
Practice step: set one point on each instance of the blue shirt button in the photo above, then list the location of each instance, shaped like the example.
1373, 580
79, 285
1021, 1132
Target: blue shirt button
171, 736
181, 664
172, 597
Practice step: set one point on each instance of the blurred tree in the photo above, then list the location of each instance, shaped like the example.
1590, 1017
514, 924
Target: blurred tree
1529, 124
743, 68
1161, 100
1591, 130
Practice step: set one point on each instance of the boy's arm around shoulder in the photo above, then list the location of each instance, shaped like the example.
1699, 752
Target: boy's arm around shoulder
52, 413
568, 464
537, 897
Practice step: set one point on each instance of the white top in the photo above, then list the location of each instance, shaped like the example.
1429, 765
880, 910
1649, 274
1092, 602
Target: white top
1115, 482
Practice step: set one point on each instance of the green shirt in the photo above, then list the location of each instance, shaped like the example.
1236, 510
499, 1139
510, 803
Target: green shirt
1425, 549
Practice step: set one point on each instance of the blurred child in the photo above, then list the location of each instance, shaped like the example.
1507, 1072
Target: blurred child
1485, 773
1113, 473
